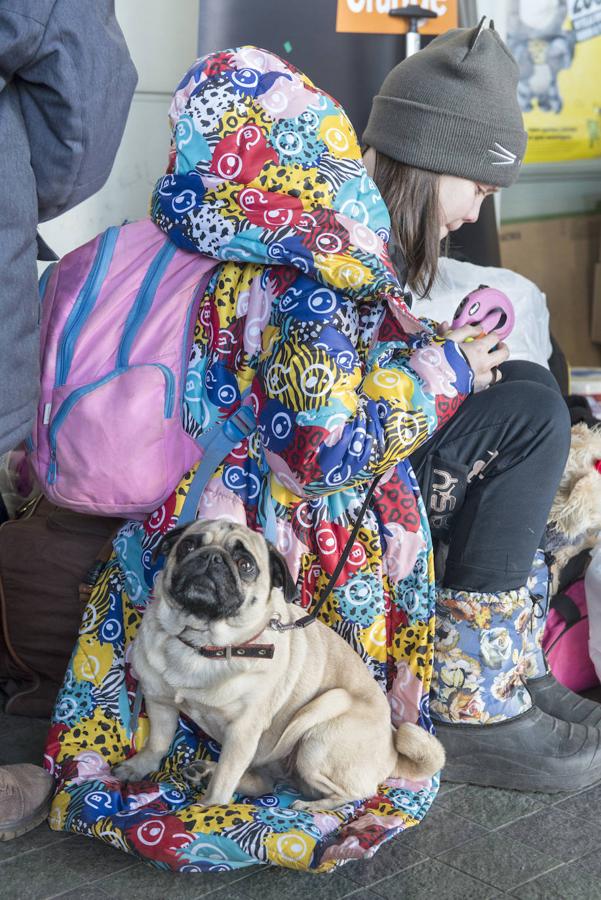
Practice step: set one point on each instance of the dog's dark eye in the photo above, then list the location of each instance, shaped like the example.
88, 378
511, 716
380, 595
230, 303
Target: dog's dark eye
186, 547
246, 566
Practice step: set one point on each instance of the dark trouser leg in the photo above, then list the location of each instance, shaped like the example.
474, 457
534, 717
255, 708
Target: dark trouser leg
493, 729
512, 440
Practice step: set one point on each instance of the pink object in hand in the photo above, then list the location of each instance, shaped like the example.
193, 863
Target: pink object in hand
487, 307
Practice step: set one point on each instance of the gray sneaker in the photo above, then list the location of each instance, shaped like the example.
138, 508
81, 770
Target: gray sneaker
559, 701
531, 752
25, 797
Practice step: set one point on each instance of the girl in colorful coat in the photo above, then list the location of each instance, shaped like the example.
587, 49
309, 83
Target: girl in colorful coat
306, 320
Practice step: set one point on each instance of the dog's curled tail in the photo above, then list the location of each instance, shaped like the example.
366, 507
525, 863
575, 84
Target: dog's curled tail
326, 706
420, 755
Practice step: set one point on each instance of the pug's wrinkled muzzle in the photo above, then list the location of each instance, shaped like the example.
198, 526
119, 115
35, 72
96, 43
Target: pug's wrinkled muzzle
205, 586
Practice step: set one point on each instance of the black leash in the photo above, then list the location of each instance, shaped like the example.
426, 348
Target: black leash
276, 624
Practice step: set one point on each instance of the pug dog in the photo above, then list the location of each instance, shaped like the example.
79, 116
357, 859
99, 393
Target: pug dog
295, 704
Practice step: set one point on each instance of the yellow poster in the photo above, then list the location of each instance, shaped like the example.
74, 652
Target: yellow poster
557, 44
372, 16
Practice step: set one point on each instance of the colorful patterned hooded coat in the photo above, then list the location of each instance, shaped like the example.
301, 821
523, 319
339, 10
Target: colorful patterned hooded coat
306, 320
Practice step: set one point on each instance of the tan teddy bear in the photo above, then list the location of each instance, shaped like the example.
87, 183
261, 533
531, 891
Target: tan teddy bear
575, 516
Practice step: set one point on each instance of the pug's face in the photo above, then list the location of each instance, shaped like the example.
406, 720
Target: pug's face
213, 568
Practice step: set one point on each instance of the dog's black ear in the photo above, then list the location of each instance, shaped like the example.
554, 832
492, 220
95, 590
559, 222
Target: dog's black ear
167, 542
280, 574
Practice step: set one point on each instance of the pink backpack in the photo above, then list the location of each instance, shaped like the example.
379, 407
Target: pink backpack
118, 318
566, 639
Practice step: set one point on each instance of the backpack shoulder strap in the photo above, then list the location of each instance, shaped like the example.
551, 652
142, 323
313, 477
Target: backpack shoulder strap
574, 569
215, 446
566, 608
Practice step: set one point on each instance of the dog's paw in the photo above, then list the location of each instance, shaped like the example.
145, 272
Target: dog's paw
321, 804
215, 798
199, 771
126, 772
307, 805
137, 766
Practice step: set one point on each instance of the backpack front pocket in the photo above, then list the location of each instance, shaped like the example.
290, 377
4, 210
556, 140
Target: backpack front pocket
122, 423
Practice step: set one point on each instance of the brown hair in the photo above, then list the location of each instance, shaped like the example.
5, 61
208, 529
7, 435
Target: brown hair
411, 196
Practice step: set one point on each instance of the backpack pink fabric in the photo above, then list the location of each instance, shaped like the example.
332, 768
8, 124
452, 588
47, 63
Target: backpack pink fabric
117, 325
565, 641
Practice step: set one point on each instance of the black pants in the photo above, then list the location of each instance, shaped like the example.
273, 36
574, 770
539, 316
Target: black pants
488, 477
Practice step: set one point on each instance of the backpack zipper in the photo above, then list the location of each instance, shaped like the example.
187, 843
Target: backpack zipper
68, 404
143, 302
84, 304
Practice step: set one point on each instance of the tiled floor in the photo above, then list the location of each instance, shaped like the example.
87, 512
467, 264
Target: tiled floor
476, 844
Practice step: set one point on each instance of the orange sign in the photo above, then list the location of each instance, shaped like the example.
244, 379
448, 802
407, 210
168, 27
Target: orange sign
371, 16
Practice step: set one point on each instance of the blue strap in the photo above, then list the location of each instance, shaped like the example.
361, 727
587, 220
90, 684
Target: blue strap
271, 523
216, 446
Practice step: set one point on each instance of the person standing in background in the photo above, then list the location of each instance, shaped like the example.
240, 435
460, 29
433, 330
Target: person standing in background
66, 84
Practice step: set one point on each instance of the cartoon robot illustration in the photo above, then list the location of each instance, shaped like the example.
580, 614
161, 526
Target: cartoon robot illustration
542, 48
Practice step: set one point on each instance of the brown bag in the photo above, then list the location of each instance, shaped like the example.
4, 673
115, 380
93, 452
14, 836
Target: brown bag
49, 560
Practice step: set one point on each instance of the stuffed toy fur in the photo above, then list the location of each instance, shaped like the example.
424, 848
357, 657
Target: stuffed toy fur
575, 516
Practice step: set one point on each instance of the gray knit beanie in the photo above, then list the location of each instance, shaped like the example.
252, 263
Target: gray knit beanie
452, 108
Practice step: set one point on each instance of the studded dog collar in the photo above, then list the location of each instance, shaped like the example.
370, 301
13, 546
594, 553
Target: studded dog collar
234, 651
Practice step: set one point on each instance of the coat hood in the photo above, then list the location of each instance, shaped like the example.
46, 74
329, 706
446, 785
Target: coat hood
266, 168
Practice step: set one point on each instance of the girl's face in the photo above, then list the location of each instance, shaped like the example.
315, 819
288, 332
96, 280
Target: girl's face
460, 201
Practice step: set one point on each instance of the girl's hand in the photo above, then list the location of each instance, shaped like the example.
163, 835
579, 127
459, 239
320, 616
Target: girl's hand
483, 360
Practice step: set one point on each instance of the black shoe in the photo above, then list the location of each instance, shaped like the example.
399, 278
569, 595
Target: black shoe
559, 701
531, 752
